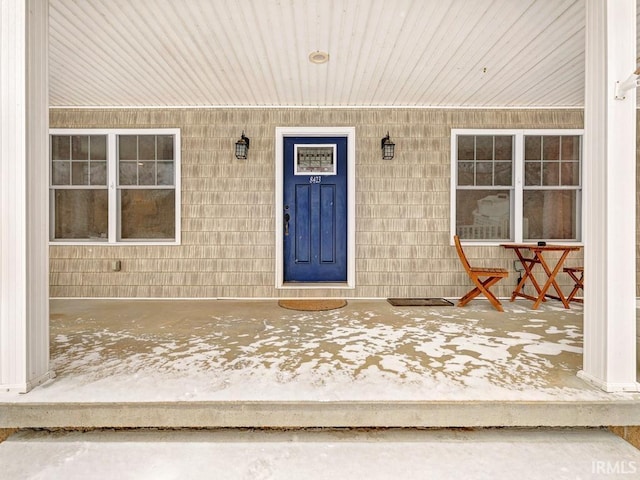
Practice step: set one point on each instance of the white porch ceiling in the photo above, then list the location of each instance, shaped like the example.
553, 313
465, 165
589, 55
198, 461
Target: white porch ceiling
481, 53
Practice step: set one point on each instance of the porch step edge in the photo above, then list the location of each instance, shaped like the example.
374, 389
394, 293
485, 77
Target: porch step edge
246, 414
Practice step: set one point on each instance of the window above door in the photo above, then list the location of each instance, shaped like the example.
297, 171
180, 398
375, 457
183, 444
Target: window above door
315, 159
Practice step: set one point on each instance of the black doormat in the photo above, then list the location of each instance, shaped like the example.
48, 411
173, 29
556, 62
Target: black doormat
419, 302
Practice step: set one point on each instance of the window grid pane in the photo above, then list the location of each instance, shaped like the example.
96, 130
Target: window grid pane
60, 147
485, 160
145, 160
61, 173
147, 214
483, 214
81, 214
80, 147
73, 159
98, 147
80, 173
550, 214
552, 161
165, 173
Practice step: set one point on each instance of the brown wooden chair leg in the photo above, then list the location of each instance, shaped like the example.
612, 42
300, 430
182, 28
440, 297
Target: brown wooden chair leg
578, 282
483, 287
490, 296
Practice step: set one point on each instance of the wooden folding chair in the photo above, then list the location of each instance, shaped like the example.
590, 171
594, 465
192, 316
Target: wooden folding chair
577, 275
490, 275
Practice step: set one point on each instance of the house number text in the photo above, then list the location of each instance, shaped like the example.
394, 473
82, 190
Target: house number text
315, 179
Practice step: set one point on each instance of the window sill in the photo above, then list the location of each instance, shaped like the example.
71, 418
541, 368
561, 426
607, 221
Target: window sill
497, 243
141, 243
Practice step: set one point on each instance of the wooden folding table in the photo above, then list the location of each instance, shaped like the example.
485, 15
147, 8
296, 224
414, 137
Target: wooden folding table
529, 262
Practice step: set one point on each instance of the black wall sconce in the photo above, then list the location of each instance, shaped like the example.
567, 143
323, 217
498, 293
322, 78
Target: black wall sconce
242, 147
388, 148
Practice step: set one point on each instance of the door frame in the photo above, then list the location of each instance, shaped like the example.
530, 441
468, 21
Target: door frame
350, 134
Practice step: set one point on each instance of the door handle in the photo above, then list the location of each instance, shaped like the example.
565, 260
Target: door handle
287, 217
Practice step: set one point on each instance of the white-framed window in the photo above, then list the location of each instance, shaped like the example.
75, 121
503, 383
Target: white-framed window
114, 186
516, 185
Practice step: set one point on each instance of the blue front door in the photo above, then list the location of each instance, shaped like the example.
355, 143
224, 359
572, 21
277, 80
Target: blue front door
315, 209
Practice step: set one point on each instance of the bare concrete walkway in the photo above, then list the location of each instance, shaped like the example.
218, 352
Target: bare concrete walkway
562, 454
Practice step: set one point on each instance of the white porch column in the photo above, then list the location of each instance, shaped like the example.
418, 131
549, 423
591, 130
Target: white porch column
609, 197
24, 296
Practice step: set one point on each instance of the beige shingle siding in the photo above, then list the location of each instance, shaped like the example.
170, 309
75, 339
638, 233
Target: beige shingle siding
228, 240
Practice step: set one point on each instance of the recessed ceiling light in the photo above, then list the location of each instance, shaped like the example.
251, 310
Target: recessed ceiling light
318, 57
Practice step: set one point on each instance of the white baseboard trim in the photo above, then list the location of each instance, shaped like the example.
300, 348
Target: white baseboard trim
609, 387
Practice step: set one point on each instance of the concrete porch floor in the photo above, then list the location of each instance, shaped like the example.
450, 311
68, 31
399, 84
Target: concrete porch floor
251, 363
